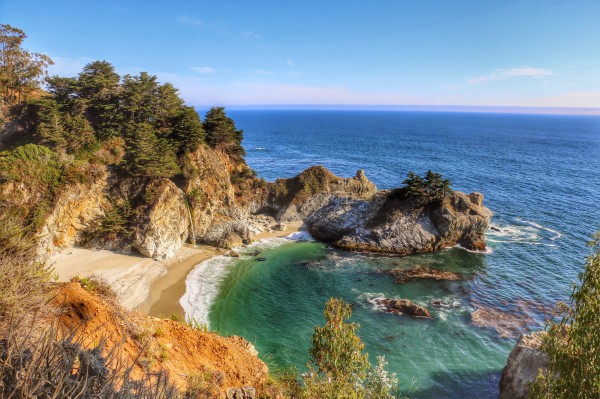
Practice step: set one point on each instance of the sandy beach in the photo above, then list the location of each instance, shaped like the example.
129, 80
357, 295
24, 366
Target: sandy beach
151, 287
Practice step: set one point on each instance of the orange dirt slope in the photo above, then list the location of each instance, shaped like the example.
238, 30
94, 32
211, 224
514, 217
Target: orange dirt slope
158, 344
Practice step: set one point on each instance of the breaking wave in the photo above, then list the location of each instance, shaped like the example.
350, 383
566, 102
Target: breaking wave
526, 232
203, 282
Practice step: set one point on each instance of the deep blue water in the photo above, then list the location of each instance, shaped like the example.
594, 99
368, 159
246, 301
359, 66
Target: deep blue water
540, 176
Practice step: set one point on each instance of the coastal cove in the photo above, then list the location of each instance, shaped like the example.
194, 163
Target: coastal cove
535, 244
151, 287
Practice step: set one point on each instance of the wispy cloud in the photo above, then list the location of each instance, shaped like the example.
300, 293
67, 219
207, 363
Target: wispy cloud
504, 74
262, 72
251, 36
290, 63
189, 20
203, 69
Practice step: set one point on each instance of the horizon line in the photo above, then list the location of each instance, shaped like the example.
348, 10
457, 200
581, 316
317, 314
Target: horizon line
506, 109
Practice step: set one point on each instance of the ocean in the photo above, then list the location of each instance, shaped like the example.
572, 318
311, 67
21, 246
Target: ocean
539, 175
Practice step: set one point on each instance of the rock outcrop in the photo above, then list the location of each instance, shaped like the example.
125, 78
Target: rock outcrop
385, 224
298, 198
353, 215
523, 366
162, 228
403, 306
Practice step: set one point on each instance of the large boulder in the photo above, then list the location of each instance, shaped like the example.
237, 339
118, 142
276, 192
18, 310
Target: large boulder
523, 366
163, 226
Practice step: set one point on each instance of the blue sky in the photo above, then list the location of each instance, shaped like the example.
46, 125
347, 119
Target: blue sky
496, 53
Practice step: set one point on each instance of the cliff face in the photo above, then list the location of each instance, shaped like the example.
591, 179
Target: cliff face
523, 366
153, 344
297, 198
216, 198
223, 196
219, 202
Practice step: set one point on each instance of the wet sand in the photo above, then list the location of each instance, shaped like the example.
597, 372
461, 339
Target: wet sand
151, 287
166, 291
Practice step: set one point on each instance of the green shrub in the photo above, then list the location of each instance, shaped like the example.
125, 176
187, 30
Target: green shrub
573, 343
422, 190
36, 165
338, 368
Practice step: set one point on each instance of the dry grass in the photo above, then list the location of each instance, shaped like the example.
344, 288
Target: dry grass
56, 364
24, 282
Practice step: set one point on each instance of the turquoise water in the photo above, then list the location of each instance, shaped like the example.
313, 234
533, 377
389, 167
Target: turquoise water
540, 177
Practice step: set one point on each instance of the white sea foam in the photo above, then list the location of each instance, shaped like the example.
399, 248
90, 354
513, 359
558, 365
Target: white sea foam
203, 282
373, 299
202, 287
557, 234
260, 148
527, 232
486, 251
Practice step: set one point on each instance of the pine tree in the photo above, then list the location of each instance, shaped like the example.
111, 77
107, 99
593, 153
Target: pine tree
49, 127
147, 155
98, 89
221, 132
188, 133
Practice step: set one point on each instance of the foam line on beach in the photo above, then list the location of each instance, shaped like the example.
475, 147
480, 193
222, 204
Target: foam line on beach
204, 281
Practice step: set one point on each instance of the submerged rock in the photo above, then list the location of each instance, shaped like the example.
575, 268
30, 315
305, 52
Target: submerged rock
523, 366
506, 324
438, 303
403, 306
421, 272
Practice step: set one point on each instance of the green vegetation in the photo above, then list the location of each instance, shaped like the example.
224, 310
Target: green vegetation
98, 121
98, 105
338, 367
573, 343
21, 72
221, 132
423, 190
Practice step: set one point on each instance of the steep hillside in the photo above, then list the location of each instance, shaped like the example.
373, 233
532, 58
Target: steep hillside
157, 344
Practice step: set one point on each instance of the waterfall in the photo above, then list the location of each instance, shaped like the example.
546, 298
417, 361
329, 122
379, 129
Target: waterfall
187, 205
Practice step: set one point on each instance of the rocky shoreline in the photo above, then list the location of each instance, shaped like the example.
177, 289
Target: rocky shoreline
219, 202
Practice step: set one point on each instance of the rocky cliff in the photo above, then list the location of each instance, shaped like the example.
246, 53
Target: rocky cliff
353, 215
218, 202
523, 366
213, 202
